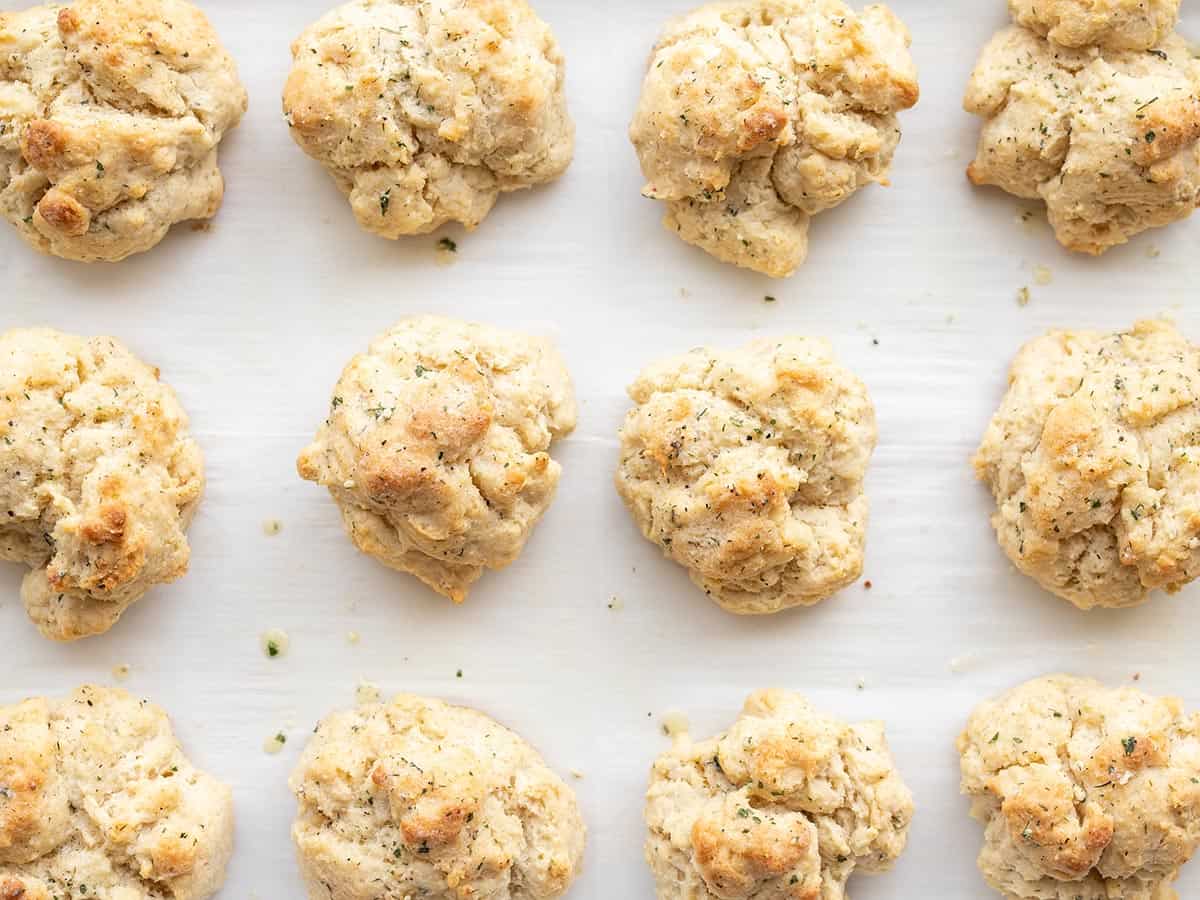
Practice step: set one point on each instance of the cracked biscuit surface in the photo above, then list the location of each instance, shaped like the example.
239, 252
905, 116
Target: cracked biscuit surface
1106, 138
98, 800
1112, 24
99, 478
785, 805
436, 448
746, 467
1094, 461
110, 116
425, 111
1085, 792
756, 115
418, 798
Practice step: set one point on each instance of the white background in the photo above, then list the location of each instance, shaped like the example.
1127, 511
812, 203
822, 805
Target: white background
252, 321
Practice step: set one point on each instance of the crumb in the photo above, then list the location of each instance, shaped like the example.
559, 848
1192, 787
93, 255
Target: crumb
274, 643
577, 774
352, 637
366, 692
861, 684
674, 724
875, 342
121, 672
274, 743
458, 674
447, 251
1023, 297
615, 603
1153, 252
1137, 676
768, 299
202, 225
1042, 275
867, 585
684, 292
962, 663
272, 527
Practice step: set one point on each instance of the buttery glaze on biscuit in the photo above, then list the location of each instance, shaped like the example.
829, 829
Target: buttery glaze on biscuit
436, 449
756, 115
417, 798
99, 478
1094, 462
1085, 792
110, 116
746, 467
785, 805
425, 112
98, 800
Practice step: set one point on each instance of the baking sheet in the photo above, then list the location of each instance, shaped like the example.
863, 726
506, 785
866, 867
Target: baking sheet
916, 285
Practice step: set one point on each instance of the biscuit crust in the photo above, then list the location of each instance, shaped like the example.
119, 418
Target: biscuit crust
756, 115
99, 478
98, 800
785, 805
1106, 138
436, 448
417, 798
425, 112
746, 467
1084, 791
1111, 24
110, 116
1094, 464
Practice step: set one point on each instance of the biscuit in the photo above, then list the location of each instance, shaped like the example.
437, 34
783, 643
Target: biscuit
99, 478
746, 467
1094, 464
98, 800
1106, 138
425, 112
756, 115
110, 116
785, 805
436, 448
417, 798
1084, 792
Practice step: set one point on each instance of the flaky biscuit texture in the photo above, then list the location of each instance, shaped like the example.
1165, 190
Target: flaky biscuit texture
746, 467
417, 798
757, 114
436, 448
1085, 792
424, 111
1110, 24
785, 805
98, 800
1106, 138
1094, 461
99, 478
110, 116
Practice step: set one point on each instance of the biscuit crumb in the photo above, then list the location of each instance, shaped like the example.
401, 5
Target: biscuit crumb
1042, 275
1023, 296
1153, 252
272, 527
274, 643
202, 225
616, 604
366, 692
352, 637
577, 774
274, 743
861, 683
121, 672
674, 724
